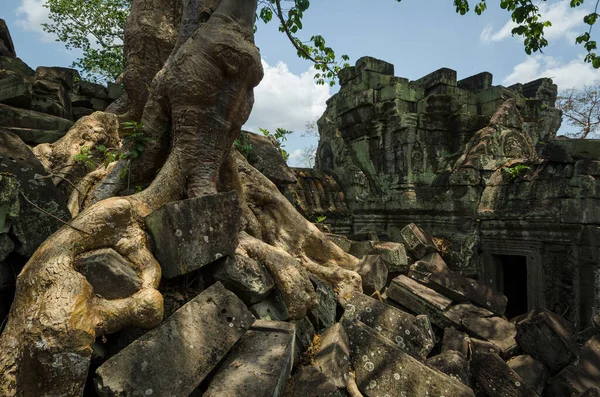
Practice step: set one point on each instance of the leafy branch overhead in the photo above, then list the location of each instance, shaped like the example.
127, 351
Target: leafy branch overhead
96, 27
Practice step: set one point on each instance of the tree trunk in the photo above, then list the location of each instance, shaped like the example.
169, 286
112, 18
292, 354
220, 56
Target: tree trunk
196, 105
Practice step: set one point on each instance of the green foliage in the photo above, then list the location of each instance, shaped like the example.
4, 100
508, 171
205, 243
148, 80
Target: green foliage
243, 145
85, 157
280, 136
94, 26
134, 139
320, 219
516, 171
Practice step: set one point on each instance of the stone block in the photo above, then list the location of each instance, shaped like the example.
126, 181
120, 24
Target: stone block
65, 76
28, 119
420, 299
15, 65
591, 392
111, 276
434, 273
323, 314
99, 104
375, 65
305, 333
346, 75
417, 241
310, 382
534, 373
272, 308
453, 364
266, 157
81, 101
362, 248
373, 272
7, 48
341, 241
192, 233
383, 368
15, 90
480, 81
333, 355
548, 338
482, 324
259, 365
455, 341
79, 112
175, 357
49, 106
412, 334
496, 378
35, 137
92, 90
587, 167
115, 91
247, 278
443, 76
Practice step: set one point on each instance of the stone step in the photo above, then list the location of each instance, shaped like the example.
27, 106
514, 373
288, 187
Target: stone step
172, 359
259, 365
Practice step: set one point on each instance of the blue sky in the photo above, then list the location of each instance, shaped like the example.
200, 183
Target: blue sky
417, 36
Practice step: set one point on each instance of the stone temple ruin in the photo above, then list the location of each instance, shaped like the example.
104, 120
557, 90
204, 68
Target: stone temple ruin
477, 165
474, 229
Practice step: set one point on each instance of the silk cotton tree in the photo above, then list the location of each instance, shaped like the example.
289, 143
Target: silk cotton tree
190, 70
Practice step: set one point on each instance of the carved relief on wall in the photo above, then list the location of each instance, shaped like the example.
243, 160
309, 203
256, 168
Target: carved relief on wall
417, 158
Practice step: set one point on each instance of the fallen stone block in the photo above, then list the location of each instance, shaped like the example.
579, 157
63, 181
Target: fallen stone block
341, 241
36, 137
192, 233
7, 48
433, 272
548, 338
453, 364
417, 241
483, 346
22, 118
383, 368
333, 356
271, 308
92, 90
483, 324
310, 382
533, 372
420, 299
266, 157
305, 332
393, 255
496, 378
258, 365
172, 359
373, 272
323, 314
65, 76
412, 334
455, 341
247, 278
109, 273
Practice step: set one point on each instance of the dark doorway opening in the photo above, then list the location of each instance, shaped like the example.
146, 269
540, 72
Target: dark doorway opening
511, 276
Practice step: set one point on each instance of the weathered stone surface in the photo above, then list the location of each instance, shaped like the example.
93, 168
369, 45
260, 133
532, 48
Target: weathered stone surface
92, 90
305, 332
412, 334
455, 341
192, 233
392, 254
374, 65
453, 364
496, 378
383, 368
109, 273
417, 241
114, 91
65, 76
15, 65
7, 48
28, 119
433, 272
175, 357
373, 272
548, 338
271, 308
534, 373
323, 314
420, 299
259, 364
15, 90
333, 356
591, 392
310, 382
482, 324
266, 157
341, 241
247, 278
29, 225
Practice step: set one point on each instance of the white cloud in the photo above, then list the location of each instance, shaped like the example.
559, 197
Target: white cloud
31, 15
284, 99
572, 74
567, 23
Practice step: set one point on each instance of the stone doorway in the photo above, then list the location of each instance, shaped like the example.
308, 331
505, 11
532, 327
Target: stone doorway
511, 279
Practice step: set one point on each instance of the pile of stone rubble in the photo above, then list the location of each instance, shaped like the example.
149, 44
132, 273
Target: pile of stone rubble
430, 332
